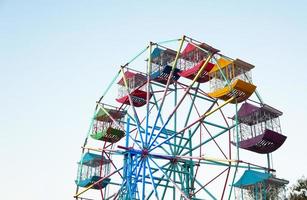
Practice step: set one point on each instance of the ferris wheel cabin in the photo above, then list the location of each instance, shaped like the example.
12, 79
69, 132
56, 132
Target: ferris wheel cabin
260, 185
259, 128
136, 83
230, 78
193, 58
162, 61
92, 168
107, 125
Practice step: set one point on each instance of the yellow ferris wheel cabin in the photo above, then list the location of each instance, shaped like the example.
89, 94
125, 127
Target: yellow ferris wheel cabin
230, 78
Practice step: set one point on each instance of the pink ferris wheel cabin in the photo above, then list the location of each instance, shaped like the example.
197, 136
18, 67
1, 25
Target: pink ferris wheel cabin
134, 90
193, 57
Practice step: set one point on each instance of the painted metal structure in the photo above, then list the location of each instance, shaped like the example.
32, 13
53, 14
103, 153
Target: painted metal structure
169, 135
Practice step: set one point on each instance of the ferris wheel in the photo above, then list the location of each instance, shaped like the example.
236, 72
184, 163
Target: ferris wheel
172, 124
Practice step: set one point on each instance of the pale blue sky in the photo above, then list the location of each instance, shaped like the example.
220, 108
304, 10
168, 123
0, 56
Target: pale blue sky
56, 58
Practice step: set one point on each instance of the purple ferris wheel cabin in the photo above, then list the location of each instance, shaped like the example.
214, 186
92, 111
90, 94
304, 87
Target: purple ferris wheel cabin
259, 128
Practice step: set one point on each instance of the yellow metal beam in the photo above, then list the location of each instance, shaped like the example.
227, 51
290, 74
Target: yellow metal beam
209, 159
219, 107
105, 110
90, 186
200, 71
178, 52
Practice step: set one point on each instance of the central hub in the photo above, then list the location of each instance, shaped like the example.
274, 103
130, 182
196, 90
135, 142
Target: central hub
144, 153
174, 160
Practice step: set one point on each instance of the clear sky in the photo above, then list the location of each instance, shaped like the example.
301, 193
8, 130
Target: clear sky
57, 56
